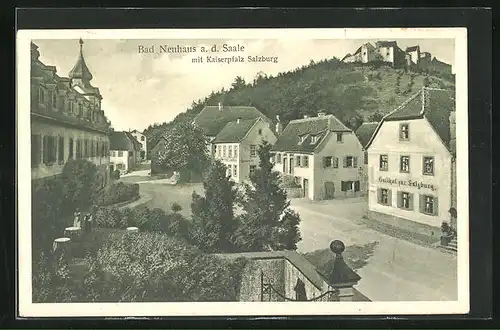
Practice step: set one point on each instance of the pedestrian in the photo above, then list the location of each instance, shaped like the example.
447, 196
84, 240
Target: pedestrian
77, 218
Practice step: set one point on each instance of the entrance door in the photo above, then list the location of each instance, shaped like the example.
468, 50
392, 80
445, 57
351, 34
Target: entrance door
306, 188
329, 190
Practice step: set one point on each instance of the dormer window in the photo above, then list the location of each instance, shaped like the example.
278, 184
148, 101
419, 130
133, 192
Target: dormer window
302, 138
314, 139
404, 132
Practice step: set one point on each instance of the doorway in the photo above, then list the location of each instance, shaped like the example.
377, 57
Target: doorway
329, 190
306, 188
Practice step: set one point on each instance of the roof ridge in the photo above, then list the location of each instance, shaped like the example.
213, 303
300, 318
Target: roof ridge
411, 98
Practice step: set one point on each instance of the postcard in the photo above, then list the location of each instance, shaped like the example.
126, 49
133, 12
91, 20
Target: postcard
242, 172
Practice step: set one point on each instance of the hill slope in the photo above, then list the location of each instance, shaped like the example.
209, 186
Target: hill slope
352, 93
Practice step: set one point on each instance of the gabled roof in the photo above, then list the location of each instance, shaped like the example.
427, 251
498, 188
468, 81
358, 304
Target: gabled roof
119, 141
235, 131
289, 140
365, 132
212, 120
433, 104
137, 144
412, 48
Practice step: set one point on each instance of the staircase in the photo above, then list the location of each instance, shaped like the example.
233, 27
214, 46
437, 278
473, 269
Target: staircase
452, 246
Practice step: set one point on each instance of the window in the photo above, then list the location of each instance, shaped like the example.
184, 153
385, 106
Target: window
405, 200
219, 151
428, 166
142, 138
327, 162
253, 151
346, 185
297, 161
302, 138
80, 110
41, 95
120, 153
305, 161
252, 169
384, 163
235, 170
70, 148
357, 186
229, 172
85, 148
97, 149
260, 131
278, 158
335, 162
49, 150
405, 164
36, 149
78, 149
365, 158
339, 137
314, 139
428, 204
54, 101
61, 150
230, 151
350, 161
224, 151
404, 132
384, 196
119, 166
235, 151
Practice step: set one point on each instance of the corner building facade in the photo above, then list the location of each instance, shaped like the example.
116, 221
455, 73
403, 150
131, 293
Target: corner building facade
411, 159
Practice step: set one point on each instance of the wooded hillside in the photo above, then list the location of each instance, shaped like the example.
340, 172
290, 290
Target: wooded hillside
353, 93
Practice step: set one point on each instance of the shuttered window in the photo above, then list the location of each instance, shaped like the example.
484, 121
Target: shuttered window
36, 150
405, 200
384, 196
356, 186
305, 161
297, 161
428, 205
60, 155
335, 162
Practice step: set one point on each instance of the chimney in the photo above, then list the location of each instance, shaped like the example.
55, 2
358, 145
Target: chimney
220, 106
339, 275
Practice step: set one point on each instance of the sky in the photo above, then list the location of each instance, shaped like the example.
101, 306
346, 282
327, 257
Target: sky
140, 89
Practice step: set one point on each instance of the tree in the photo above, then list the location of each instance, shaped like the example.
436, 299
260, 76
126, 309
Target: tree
354, 122
81, 184
268, 222
213, 216
238, 83
375, 117
185, 150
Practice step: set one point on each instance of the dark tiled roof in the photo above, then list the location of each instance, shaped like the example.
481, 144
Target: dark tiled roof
137, 144
319, 126
301, 263
365, 132
211, 120
119, 141
411, 49
234, 132
80, 70
433, 104
387, 44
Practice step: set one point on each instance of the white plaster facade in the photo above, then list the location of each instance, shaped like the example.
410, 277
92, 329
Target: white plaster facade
122, 160
423, 189
141, 138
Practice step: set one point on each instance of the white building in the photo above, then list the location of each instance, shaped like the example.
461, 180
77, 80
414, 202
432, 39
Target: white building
322, 155
411, 159
124, 152
237, 143
141, 138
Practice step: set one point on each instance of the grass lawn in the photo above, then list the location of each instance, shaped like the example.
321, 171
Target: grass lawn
164, 195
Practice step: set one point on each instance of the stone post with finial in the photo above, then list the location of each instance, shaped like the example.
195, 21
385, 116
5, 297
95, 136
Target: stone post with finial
339, 275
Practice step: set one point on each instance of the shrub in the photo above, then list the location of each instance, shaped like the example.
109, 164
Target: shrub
288, 181
117, 193
176, 207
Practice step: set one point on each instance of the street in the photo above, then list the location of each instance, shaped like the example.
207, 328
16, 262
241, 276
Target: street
397, 271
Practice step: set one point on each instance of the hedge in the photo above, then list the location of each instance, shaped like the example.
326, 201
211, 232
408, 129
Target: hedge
117, 193
141, 267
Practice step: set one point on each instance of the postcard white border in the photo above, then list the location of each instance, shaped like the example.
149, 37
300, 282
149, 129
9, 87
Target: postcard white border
29, 309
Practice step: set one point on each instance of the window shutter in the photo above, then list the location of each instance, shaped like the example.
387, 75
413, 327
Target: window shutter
379, 195
356, 185
354, 162
436, 206
342, 186
400, 198
410, 201
344, 159
421, 203
389, 197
